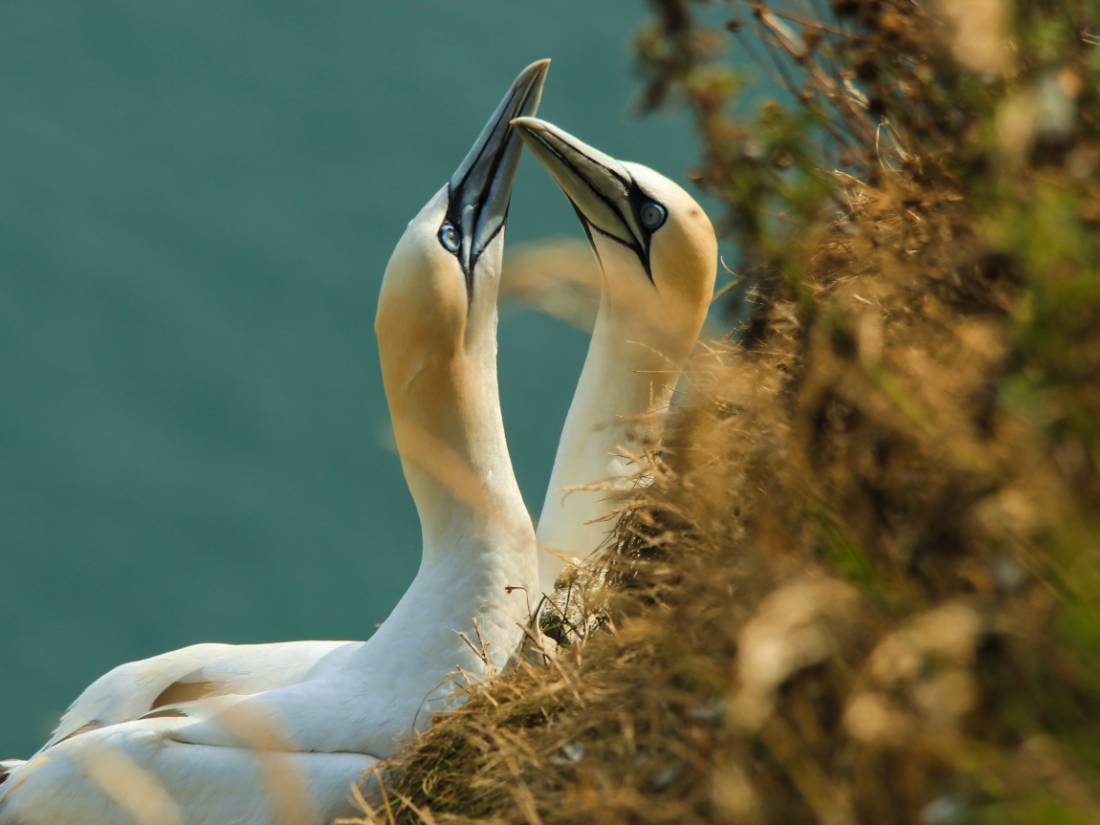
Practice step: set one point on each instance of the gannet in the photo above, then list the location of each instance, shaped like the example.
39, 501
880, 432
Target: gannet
260, 734
658, 256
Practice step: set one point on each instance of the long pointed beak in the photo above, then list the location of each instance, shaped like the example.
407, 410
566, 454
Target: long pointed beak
600, 188
481, 188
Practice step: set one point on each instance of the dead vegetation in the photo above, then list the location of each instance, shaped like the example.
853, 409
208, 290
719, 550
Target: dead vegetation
864, 585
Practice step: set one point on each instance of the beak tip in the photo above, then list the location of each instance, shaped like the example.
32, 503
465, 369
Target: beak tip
528, 86
525, 123
535, 73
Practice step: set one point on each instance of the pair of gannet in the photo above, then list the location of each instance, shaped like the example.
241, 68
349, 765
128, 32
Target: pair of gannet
256, 734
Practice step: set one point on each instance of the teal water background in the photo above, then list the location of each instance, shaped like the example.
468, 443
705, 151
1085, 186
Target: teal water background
197, 201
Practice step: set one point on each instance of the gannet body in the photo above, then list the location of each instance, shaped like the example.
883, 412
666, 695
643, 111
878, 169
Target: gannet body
658, 257
259, 734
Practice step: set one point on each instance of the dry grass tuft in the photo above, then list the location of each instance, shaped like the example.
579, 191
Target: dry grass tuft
864, 583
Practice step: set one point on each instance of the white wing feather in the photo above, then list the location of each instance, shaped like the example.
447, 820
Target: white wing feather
132, 690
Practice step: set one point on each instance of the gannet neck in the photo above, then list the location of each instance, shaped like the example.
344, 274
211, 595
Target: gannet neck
629, 375
458, 468
468, 605
437, 348
438, 357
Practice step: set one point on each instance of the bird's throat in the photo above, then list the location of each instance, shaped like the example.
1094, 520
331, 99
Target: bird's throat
618, 405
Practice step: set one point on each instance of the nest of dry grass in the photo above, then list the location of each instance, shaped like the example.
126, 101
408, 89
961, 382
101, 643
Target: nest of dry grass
863, 585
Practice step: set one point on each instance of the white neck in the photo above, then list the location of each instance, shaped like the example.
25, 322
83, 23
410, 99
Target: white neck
624, 388
478, 541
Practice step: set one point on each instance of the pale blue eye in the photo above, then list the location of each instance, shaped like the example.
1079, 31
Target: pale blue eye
448, 236
652, 215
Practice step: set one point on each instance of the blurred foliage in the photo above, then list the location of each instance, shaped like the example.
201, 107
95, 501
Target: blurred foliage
864, 585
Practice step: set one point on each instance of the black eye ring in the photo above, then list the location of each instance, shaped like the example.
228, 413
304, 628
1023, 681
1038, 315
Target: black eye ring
652, 215
449, 237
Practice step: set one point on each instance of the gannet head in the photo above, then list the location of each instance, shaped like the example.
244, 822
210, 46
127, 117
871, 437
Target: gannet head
655, 244
438, 296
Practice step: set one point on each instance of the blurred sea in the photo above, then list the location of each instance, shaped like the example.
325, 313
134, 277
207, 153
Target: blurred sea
197, 201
